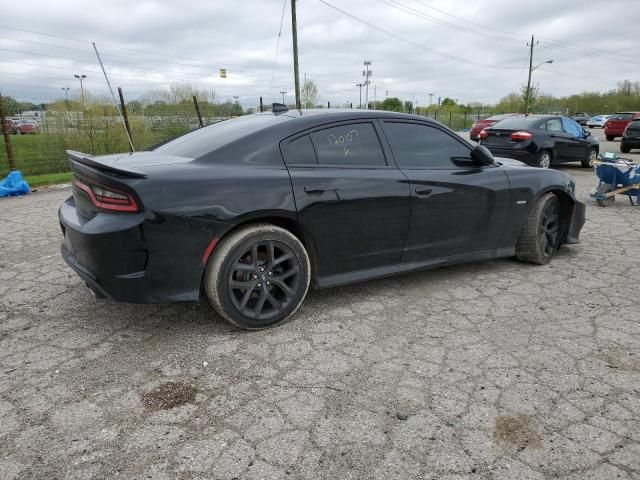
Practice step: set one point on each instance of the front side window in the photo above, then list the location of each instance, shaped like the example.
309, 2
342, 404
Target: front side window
422, 146
355, 145
572, 127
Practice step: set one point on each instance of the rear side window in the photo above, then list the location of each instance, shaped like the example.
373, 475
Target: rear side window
300, 152
553, 125
422, 146
622, 116
355, 144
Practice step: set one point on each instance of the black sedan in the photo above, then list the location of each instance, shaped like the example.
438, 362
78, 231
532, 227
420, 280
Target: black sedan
250, 212
541, 140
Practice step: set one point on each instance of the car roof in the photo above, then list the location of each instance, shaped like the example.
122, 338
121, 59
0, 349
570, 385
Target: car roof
343, 113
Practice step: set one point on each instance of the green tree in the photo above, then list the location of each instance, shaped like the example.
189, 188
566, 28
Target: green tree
309, 94
11, 106
408, 106
448, 102
529, 97
392, 104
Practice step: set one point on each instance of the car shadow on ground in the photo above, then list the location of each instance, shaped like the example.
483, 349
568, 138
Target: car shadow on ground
200, 319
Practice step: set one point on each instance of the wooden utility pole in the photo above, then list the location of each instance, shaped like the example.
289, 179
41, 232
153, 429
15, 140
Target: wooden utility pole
527, 97
294, 31
7, 138
125, 117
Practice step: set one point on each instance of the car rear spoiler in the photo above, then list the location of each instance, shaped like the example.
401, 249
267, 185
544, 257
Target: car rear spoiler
90, 161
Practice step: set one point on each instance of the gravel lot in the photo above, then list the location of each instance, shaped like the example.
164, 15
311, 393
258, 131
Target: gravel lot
494, 370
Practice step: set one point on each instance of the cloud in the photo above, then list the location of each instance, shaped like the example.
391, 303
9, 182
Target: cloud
152, 44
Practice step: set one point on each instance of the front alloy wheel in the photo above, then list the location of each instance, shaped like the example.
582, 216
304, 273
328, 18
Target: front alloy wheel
539, 238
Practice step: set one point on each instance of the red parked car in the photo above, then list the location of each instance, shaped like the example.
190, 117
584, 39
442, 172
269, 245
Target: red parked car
617, 123
478, 125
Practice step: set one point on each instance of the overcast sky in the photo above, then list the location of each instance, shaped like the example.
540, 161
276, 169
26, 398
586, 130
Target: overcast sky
466, 50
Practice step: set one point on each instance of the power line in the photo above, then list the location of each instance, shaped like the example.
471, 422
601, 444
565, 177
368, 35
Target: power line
466, 21
275, 58
415, 44
430, 18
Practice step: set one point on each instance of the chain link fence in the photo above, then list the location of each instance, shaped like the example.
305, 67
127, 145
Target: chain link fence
40, 137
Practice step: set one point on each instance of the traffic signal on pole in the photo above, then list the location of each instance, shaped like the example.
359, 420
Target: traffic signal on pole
223, 73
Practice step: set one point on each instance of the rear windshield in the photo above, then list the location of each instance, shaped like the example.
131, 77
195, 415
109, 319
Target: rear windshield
204, 140
622, 116
516, 122
499, 117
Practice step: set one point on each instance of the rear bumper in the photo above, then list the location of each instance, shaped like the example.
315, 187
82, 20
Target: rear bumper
137, 258
578, 219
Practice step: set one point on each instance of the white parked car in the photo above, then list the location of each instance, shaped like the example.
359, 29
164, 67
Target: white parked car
598, 121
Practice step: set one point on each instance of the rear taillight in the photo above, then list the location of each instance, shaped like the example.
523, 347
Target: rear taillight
107, 198
522, 135
483, 134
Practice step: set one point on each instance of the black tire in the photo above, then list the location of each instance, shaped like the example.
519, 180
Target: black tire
539, 238
592, 155
258, 276
624, 148
610, 138
604, 188
544, 159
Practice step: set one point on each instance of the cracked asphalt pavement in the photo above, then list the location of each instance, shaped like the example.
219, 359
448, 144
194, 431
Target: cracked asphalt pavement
491, 370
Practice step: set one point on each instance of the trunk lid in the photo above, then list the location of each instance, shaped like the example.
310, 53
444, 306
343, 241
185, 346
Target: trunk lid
498, 137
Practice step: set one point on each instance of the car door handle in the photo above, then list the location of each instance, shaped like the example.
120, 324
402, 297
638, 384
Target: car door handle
315, 189
423, 191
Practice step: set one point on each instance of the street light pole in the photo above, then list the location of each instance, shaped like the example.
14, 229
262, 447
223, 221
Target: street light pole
283, 92
81, 77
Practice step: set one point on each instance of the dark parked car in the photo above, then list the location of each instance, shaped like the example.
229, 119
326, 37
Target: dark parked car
479, 125
541, 140
250, 212
581, 118
617, 123
631, 137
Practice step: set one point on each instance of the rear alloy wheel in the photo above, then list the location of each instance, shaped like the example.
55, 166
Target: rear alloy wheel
544, 159
258, 276
624, 148
603, 189
540, 236
610, 138
592, 155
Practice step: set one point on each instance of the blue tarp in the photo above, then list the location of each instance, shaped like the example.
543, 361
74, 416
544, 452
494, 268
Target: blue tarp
13, 184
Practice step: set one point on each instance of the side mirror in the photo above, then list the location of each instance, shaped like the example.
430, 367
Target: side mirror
482, 156
586, 132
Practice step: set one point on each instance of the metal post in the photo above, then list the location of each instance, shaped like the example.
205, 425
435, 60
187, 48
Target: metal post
124, 113
328, 104
261, 105
7, 138
113, 97
450, 118
294, 34
195, 103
